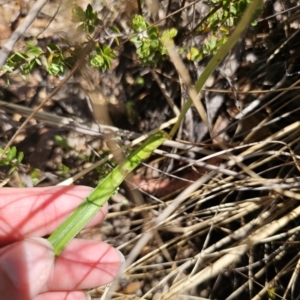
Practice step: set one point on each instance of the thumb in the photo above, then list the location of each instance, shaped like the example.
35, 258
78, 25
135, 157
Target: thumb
25, 267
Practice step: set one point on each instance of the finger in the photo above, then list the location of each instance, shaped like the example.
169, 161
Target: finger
85, 264
77, 295
25, 267
38, 211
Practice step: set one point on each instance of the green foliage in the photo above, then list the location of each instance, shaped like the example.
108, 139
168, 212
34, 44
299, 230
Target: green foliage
35, 176
57, 58
87, 20
64, 171
194, 54
26, 60
60, 141
224, 15
140, 80
11, 158
52, 60
55, 62
148, 41
102, 58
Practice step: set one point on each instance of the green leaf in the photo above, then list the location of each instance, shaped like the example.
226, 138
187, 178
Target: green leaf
59, 140
153, 31
272, 293
194, 54
53, 48
17, 57
230, 21
12, 169
96, 61
63, 168
224, 30
77, 14
4, 162
33, 50
139, 24
21, 55
38, 61
56, 68
20, 157
154, 44
233, 9
140, 80
35, 176
106, 50
89, 12
12, 153
115, 29
169, 34
105, 189
212, 42
91, 28
173, 32
8, 68
29, 67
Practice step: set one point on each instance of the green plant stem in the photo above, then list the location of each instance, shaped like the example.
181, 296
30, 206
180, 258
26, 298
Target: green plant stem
105, 189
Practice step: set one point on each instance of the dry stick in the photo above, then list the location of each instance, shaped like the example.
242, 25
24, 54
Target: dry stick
91, 129
223, 218
252, 91
208, 253
183, 73
230, 258
293, 279
159, 220
200, 258
267, 287
165, 93
8, 47
268, 104
272, 258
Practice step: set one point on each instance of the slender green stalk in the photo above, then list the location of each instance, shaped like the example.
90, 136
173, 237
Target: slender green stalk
105, 189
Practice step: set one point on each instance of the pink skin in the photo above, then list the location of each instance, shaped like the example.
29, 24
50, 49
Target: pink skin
28, 269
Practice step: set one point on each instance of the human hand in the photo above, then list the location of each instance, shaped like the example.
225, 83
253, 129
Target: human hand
28, 268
